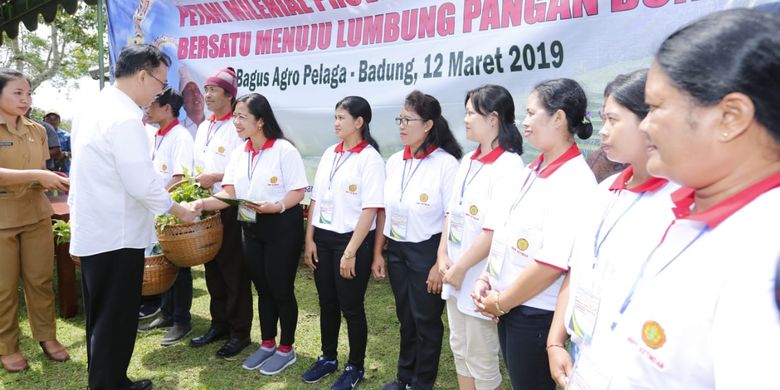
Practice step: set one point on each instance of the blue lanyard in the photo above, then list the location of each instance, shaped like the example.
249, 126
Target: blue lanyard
524, 190
157, 145
249, 161
209, 135
596, 243
334, 167
403, 178
465, 184
641, 274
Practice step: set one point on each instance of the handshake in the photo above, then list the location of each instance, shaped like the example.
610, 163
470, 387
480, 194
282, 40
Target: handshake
187, 212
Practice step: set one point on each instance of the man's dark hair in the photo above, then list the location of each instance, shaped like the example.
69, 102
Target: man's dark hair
171, 97
135, 58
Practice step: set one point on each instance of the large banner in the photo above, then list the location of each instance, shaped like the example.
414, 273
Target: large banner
305, 55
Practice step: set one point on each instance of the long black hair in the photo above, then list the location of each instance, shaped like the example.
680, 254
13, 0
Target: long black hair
260, 108
566, 95
428, 108
628, 90
357, 107
495, 98
693, 59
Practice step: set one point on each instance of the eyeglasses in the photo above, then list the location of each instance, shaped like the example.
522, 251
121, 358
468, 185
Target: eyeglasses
164, 84
405, 121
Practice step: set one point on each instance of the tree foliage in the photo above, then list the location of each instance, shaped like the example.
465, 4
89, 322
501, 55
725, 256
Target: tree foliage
61, 51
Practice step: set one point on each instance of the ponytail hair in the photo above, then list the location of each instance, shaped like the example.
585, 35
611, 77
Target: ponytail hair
495, 98
566, 95
440, 135
357, 106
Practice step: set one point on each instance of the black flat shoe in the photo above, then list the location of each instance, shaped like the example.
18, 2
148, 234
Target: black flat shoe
211, 336
233, 347
143, 384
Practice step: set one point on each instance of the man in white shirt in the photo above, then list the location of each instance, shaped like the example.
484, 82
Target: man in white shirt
115, 194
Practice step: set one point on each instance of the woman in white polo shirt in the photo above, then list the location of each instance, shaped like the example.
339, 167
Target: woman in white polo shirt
340, 237
269, 172
624, 217
493, 168
700, 312
417, 190
530, 248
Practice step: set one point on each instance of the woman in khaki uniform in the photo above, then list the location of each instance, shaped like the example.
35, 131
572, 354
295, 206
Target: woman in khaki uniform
26, 247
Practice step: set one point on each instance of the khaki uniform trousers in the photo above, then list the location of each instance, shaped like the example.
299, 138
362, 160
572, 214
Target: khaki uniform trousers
26, 252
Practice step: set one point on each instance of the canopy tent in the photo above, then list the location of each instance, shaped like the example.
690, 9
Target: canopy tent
26, 11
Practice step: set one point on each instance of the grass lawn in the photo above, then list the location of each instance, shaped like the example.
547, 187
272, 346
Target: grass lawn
182, 367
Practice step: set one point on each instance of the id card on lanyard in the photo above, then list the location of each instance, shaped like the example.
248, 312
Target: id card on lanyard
399, 217
326, 203
458, 216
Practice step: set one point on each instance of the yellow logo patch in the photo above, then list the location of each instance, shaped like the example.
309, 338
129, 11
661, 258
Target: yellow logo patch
274, 179
473, 210
423, 197
221, 150
522, 244
164, 168
653, 334
352, 188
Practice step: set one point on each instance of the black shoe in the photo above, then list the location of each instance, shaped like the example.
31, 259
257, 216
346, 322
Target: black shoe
148, 310
175, 334
233, 347
144, 384
396, 385
158, 323
212, 335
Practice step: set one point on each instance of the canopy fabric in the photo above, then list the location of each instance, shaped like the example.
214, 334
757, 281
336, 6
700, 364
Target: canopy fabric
26, 11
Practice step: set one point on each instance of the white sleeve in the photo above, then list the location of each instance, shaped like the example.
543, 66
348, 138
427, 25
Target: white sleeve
293, 171
136, 170
373, 179
449, 171
183, 153
318, 178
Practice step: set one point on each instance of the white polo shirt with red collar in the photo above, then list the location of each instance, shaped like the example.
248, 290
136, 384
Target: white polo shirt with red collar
214, 143
172, 150
478, 183
620, 225
347, 181
542, 221
266, 175
702, 313
417, 191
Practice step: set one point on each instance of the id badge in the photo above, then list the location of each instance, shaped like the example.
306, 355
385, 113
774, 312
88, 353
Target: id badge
245, 214
326, 209
587, 375
583, 317
399, 222
457, 220
497, 254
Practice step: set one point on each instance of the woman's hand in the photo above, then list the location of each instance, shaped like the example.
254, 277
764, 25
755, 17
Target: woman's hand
265, 207
347, 267
434, 280
560, 364
444, 263
52, 181
310, 254
378, 267
454, 276
207, 180
481, 290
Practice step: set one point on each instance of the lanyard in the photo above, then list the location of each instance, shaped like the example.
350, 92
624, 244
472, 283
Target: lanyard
403, 178
249, 160
641, 274
157, 145
596, 243
336, 165
210, 135
524, 189
465, 184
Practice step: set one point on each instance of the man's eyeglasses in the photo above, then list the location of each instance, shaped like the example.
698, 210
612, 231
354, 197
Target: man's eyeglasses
164, 84
405, 121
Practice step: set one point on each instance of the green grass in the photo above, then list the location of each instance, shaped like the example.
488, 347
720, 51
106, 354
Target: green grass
182, 367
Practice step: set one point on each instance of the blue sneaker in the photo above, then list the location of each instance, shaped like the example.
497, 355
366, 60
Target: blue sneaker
349, 379
320, 369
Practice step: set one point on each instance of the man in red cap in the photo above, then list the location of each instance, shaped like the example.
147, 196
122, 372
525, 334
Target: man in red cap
226, 279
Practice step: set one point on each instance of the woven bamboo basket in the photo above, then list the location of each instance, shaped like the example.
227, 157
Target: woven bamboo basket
191, 244
159, 274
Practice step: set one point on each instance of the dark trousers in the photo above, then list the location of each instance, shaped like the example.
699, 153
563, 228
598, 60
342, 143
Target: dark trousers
228, 282
272, 248
418, 311
338, 295
177, 301
111, 287
522, 334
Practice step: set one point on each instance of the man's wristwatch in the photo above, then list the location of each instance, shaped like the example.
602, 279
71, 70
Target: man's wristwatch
348, 255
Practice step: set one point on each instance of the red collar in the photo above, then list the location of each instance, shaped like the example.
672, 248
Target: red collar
426, 153
357, 149
162, 132
569, 154
649, 185
227, 116
684, 198
488, 158
248, 147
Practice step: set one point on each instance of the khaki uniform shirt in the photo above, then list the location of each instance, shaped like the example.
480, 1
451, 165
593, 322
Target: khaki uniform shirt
23, 148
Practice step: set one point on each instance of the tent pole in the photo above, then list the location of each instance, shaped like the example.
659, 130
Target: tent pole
101, 70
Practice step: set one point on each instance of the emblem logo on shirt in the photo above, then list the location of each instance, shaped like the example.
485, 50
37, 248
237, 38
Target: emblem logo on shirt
164, 168
273, 180
221, 150
522, 244
473, 210
423, 197
352, 188
653, 334
6, 143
